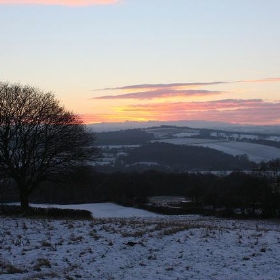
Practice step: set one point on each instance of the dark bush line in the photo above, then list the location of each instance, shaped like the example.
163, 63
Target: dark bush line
173, 210
193, 209
56, 213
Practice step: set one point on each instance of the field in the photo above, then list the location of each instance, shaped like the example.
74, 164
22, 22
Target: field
255, 152
139, 247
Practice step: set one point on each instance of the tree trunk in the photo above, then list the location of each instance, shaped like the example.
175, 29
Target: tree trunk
24, 201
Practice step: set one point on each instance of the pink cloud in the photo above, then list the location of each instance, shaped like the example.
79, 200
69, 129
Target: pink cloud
160, 93
142, 87
150, 91
225, 104
163, 86
252, 111
60, 2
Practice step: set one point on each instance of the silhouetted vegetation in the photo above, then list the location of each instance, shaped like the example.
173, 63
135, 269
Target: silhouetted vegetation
265, 142
190, 158
237, 194
54, 213
39, 138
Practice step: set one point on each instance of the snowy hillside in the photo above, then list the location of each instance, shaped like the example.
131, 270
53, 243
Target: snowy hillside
255, 152
178, 247
104, 210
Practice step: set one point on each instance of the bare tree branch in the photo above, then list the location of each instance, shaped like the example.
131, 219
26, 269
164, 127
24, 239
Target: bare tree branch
39, 138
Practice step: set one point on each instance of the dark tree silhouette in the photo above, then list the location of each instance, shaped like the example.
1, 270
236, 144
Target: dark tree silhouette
271, 171
39, 138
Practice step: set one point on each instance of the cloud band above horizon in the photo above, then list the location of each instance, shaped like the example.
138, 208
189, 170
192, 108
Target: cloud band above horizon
59, 2
151, 91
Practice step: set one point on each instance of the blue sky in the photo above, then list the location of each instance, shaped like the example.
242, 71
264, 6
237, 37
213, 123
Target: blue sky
86, 51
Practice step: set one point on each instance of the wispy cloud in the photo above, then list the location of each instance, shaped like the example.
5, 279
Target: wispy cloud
265, 80
225, 104
190, 85
163, 86
160, 93
151, 91
59, 2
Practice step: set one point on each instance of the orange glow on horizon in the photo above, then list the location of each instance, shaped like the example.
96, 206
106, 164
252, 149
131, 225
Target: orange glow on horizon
97, 120
233, 111
183, 101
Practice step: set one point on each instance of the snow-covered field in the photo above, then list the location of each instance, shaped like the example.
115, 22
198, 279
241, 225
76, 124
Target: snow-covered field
103, 210
178, 247
255, 152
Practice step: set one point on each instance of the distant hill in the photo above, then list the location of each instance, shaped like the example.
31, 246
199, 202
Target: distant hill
123, 137
197, 149
115, 126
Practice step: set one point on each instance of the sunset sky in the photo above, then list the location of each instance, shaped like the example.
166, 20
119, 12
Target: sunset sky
140, 60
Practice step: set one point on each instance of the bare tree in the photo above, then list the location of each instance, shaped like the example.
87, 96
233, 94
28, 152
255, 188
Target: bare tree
39, 138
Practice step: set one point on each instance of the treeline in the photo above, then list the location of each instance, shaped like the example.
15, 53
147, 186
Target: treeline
182, 157
247, 195
265, 142
251, 195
